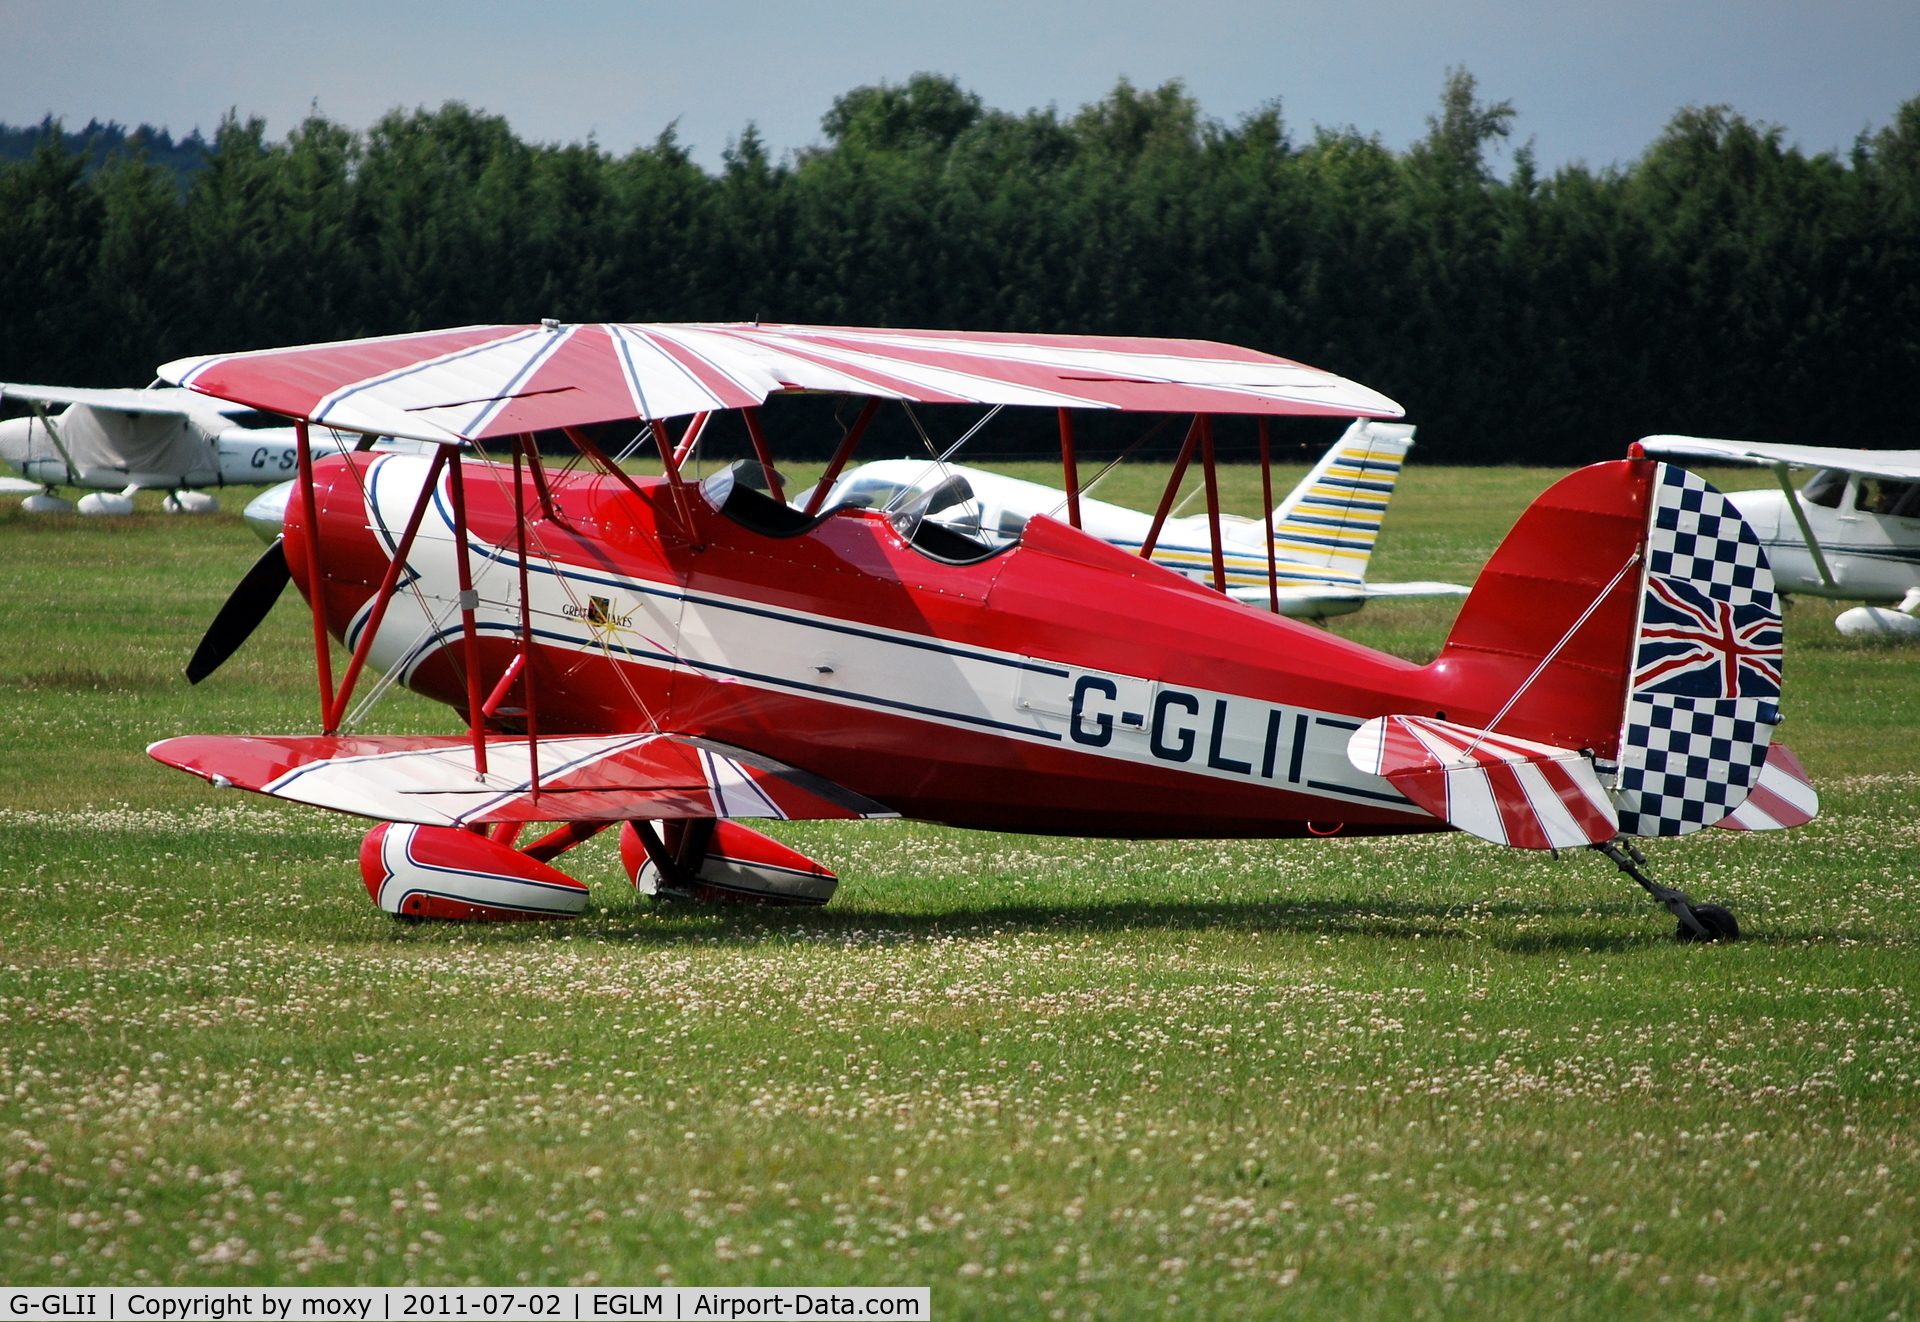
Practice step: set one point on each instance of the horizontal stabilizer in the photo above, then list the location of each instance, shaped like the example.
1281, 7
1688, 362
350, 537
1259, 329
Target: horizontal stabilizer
19, 486
1510, 791
1420, 589
1784, 796
430, 779
1257, 595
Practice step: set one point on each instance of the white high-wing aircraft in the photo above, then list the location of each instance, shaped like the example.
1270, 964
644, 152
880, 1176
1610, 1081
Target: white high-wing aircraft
161, 438
1851, 533
1323, 532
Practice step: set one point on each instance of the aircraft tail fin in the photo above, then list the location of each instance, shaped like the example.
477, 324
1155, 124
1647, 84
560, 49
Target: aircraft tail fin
1332, 518
1630, 612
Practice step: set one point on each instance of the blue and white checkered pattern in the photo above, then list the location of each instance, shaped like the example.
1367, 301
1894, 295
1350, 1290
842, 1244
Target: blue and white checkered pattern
1706, 684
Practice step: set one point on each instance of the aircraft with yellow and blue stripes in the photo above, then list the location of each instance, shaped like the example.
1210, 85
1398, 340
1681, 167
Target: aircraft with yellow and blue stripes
1323, 531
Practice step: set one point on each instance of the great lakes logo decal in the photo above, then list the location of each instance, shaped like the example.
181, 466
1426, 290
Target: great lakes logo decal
599, 613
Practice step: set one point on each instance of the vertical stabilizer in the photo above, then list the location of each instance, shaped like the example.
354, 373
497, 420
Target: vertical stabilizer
1332, 519
1629, 613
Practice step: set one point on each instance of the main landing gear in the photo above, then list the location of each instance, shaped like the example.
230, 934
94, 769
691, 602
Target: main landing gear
703, 861
1698, 922
444, 873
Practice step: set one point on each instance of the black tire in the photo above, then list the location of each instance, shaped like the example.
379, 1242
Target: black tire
1718, 921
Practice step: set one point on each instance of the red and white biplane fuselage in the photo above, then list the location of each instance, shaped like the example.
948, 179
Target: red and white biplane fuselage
679, 658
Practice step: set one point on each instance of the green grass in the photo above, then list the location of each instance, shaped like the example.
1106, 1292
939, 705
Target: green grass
1048, 1078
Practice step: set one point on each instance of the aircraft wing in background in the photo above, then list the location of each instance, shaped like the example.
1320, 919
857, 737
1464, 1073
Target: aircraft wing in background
168, 401
1899, 465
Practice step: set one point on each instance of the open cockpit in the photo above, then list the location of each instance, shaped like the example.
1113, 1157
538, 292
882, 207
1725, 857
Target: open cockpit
942, 521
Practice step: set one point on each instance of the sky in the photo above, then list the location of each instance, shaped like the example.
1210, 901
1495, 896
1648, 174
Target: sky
1592, 81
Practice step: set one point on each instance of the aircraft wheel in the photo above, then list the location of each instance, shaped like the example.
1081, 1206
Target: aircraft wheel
1718, 921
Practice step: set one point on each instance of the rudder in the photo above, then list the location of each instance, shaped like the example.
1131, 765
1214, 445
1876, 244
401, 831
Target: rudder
1705, 694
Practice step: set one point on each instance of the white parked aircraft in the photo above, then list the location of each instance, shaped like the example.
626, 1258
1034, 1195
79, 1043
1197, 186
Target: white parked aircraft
1851, 533
1323, 532
161, 438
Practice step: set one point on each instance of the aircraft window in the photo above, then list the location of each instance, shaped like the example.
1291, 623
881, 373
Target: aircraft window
1825, 488
1011, 524
1909, 506
870, 493
255, 420
1877, 495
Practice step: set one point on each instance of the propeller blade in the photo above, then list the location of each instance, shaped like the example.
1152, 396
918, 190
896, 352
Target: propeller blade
246, 606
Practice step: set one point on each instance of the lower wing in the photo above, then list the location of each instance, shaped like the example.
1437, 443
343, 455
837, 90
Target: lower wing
430, 780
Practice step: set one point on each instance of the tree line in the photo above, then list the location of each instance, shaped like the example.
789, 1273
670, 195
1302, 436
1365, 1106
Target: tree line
98, 142
1723, 283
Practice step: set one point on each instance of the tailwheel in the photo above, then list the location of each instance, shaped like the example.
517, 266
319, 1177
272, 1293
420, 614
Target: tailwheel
1719, 923
1698, 922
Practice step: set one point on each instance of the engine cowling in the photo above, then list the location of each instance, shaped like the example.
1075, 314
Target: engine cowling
439, 872
741, 865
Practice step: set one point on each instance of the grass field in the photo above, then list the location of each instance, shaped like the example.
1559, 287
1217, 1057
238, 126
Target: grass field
1051, 1079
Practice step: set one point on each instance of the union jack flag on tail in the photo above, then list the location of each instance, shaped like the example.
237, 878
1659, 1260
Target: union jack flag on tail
1694, 645
1706, 675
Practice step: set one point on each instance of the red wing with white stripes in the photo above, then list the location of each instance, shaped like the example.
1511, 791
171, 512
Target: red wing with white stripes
1510, 791
478, 382
430, 780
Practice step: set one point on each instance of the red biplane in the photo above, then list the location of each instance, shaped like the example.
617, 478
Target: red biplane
677, 658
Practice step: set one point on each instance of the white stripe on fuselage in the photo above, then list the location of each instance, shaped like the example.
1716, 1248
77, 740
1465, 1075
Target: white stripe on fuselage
1147, 722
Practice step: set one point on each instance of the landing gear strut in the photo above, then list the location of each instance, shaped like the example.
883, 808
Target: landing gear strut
1698, 922
677, 859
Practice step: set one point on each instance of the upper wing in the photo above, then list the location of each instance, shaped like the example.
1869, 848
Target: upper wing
1901, 465
484, 381
430, 780
119, 401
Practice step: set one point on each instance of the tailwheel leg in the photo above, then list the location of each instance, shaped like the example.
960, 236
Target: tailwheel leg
1698, 922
